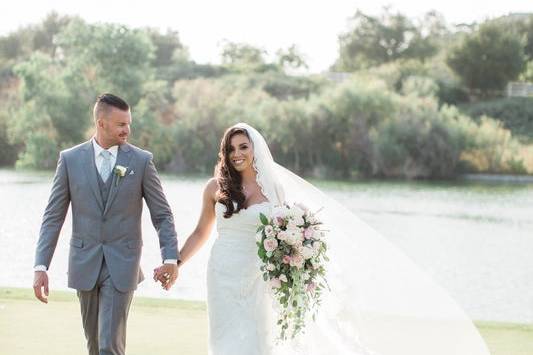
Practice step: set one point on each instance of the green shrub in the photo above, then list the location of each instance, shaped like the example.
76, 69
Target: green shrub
516, 114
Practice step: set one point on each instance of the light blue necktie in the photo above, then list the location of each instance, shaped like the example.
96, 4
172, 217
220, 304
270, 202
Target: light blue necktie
105, 168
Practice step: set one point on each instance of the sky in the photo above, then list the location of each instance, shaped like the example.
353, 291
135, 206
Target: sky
203, 25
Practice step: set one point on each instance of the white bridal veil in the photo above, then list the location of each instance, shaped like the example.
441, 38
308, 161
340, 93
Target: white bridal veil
380, 301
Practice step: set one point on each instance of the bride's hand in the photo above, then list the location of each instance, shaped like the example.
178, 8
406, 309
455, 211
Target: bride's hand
158, 274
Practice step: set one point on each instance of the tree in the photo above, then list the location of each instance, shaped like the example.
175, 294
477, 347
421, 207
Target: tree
243, 57
373, 41
488, 59
108, 57
291, 58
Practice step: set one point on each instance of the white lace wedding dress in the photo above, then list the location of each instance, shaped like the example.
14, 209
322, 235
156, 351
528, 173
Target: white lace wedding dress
239, 306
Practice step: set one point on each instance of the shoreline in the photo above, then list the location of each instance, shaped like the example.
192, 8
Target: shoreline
462, 177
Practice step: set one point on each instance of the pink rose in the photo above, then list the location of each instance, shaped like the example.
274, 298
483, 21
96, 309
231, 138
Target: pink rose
275, 283
282, 235
270, 244
308, 233
286, 259
279, 221
297, 261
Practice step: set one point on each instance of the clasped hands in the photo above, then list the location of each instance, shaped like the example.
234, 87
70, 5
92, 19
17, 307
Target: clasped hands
166, 274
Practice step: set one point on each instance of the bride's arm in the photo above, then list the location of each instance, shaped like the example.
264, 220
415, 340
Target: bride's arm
205, 223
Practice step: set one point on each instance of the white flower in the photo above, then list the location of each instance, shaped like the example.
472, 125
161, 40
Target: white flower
293, 238
312, 219
269, 230
296, 216
270, 267
318, 234
283, 235
120, 170
307, 252
317, 245
283, 278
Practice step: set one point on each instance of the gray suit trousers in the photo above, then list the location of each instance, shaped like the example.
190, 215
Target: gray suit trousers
104, 311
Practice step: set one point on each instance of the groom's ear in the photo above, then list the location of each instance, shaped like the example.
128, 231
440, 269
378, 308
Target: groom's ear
99, 122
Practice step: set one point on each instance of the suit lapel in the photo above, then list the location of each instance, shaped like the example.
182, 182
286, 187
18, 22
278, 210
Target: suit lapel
123, 159
90, 172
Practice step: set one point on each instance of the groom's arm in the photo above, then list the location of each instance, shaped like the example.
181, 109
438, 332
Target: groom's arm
53, 218
54, 215
160, 212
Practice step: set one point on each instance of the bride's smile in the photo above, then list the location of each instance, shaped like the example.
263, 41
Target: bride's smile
241, 152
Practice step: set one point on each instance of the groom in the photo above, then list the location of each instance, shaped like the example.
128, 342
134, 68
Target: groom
105, 181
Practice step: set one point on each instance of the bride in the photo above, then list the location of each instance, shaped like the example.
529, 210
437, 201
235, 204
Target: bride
379, 303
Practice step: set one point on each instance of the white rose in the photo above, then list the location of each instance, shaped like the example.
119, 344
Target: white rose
308, 252
283, 235
292, 224
120, 170
269, 230
270, 267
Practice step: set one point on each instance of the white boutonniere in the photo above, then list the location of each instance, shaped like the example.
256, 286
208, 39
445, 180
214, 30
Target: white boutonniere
120, 171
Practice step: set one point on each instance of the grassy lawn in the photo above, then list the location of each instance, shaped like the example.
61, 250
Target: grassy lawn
156, 326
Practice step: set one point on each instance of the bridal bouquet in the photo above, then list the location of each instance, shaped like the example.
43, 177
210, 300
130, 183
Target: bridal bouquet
293, 253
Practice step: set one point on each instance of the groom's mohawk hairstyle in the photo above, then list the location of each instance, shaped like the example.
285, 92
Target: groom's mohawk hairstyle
105, 102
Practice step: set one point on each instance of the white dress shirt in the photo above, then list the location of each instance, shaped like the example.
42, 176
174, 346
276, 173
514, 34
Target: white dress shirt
98, 160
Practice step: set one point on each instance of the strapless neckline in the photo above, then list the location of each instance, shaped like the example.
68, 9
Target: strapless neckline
249, 207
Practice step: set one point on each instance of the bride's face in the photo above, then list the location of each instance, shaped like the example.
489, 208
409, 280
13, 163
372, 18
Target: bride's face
241, 153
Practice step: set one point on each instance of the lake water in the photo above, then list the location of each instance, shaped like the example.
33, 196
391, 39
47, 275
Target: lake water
475, 239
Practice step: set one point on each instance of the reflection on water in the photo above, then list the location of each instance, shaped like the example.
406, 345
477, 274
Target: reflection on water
475, 239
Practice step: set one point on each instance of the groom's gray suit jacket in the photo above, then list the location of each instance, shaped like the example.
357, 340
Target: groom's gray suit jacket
109, 230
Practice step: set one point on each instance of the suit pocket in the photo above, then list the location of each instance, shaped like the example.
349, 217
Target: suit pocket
78, 243
135, 244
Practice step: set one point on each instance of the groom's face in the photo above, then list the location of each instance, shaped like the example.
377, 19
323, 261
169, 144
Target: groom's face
115, 126
241, 152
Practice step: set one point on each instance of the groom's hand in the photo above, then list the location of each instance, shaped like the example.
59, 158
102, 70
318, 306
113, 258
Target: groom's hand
40, 282
167, 275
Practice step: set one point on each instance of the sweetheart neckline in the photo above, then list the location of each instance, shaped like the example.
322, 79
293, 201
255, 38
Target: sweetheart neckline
247, 208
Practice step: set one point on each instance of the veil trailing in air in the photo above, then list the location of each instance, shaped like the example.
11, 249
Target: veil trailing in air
380, 302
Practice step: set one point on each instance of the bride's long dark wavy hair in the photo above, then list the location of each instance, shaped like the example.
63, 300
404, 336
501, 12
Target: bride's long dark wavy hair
228, 178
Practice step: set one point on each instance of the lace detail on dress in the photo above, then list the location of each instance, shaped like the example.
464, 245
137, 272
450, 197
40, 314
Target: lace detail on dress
258, 180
